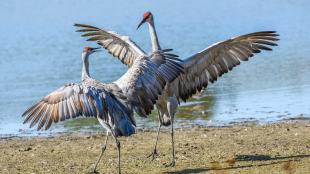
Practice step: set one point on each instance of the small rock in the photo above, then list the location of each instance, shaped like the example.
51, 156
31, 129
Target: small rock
27, 149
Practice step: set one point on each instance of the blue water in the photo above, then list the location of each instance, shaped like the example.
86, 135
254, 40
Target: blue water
39, 52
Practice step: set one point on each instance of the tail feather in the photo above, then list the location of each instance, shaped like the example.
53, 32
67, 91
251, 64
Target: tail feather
125, 128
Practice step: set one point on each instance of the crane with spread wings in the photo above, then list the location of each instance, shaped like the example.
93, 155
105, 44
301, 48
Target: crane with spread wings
112, 104
200, 69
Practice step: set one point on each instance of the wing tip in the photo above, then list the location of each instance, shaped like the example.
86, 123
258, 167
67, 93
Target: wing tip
78, 25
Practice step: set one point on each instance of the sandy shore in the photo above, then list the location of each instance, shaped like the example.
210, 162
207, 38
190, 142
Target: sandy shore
275, 148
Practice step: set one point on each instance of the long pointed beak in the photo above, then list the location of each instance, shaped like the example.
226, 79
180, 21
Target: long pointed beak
143, 20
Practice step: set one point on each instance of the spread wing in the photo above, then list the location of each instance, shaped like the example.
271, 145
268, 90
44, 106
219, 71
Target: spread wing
119, 46
146, 79
212, 62
67, 102
73, 100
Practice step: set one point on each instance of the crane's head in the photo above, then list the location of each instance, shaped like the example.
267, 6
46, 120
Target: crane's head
147, 17
90, 50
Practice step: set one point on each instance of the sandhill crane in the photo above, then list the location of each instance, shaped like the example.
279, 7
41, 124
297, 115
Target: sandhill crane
112, 104
199, 69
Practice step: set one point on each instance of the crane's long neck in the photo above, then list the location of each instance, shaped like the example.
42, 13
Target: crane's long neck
153, 34
85, 69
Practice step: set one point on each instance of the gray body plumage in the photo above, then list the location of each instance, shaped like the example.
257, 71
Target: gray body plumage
112, 104
90, 98
200, 69
138, 90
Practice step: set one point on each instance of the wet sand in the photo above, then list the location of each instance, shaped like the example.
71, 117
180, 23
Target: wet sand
282, 147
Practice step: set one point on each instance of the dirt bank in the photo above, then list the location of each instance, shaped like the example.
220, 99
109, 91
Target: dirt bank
275, 148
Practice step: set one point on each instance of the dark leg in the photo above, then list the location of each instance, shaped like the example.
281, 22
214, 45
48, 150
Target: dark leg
154, 153
172, 164
172, 106
103, 148
118, 146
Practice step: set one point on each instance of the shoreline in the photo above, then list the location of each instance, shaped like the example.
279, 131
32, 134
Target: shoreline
98, 129
281, 147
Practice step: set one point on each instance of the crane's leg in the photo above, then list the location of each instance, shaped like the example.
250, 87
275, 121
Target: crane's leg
172, 105
172, 164
103, 148
154, 153
109, 129
118, 146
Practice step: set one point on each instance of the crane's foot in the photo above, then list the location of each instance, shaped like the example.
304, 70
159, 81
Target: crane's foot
94, 172
172, 164
103, 148
153, 155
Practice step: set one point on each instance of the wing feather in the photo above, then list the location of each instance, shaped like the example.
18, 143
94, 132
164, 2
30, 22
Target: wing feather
49, 118
146, 79
62, 104
44, 117
119, 46
212, 62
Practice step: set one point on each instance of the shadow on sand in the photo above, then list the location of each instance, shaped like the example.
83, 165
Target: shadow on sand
244, 158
